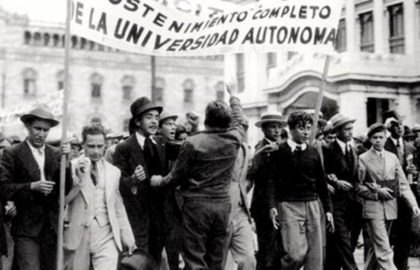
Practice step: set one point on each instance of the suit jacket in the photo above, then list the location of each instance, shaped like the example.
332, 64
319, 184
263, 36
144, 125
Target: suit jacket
80, 204
140, 200
335, 163
391, 147
372, 168
258, 174
34, 210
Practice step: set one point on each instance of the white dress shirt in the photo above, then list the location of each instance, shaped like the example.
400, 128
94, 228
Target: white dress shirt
293, 145
39, 156
344, 145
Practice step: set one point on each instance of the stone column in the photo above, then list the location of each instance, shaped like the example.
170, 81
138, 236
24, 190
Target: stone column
350, 27
381, 39
410, 33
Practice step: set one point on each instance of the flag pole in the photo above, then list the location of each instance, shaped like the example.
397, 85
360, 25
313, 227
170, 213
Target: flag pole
319, 99
64, 138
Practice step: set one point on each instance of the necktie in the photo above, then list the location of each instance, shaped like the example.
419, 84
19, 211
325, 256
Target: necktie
151, 157
349, 156
400, 152
94, 173
298, 148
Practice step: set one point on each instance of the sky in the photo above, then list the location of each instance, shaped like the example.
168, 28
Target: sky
39, 10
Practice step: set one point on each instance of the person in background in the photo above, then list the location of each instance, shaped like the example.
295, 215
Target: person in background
296, 184
359, 142
30, 178
329, 134
381, 182
272, 124
181, 134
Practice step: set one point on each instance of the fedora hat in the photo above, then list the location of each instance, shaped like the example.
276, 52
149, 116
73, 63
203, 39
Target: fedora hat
271, 117
166, 115
340, 120
41, 112
408, 133
416, 128
142, 105
392, 114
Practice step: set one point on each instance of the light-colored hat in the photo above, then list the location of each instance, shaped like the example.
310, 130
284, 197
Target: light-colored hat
41, 112
166, 115
390, 121
340, 120
272, 117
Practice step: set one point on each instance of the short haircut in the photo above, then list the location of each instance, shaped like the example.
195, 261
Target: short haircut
180, 129
299, 118
375, 129
93, 129
218, 115
284, 134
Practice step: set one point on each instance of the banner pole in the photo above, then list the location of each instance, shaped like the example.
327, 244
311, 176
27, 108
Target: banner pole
319, 99
64, 138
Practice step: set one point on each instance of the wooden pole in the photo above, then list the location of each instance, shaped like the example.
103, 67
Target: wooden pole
319, 99
153, 78
64, 138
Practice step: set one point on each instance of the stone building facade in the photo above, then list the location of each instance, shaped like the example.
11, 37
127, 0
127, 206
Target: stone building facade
104, 81
377, 68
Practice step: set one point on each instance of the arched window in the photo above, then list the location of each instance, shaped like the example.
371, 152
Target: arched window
29, 77
74, 41
46, 39
159, 91
128, 82
27, 37
56, 40
188, 87
83, 43
96, 81
37, 38
220, 90
60, 80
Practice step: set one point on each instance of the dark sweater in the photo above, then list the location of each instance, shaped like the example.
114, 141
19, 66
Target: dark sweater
297, 177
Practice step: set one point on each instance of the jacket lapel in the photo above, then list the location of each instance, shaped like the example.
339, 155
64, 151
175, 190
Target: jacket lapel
27, 158
136, 151
340, 155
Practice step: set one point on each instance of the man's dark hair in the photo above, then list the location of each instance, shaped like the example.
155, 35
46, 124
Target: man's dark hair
180, 129
218, 115
284, 134
93, 129
299, 118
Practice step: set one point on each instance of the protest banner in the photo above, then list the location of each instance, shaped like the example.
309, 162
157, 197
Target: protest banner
11, 116
147, 27
199, 8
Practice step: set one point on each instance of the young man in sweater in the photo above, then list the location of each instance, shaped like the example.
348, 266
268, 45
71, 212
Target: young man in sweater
296, 183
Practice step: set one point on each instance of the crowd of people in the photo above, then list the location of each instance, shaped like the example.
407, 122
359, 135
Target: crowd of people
170, 196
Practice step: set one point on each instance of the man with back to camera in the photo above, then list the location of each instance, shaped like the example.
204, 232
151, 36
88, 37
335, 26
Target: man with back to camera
139, 157
296, 184
30, 177
203, 170
97, 227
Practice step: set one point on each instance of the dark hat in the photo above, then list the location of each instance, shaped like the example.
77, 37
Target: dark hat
165, 115
140, 260
377, 127
41, 112
142, 105
392, 114
340, 120
416, 128
14, 139
271, 117
408, 133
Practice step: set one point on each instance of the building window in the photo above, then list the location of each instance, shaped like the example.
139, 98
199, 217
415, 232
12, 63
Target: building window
159, 91
290, 55
188, 86
396, 28
128, 82
240, 72
96, 81
27, 37
375, 108
220, 91
29, 77
60, 80
271, 60
341, 41
367, 43
37, 38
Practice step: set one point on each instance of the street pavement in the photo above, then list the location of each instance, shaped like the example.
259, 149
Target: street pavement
414, 263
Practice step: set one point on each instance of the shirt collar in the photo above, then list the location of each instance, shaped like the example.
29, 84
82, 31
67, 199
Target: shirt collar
293, 145
395, 141
343, 145
141, 139
378, 153
36, 150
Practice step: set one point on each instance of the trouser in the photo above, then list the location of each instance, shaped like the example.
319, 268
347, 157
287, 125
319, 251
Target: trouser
205, 232
173, 231
7, 261
97, 250
268, 245
401, 235
339, 244
240, 243
380, 255
301, 235
36, 253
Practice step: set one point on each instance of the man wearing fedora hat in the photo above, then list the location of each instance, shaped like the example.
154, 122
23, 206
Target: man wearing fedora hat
30, 178
401, 230
138, 158
271, 124
341, 161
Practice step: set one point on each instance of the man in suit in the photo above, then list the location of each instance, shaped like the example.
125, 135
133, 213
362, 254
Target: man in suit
138, 158
30, 178
381, 181
97, 226
297, 184
203, 170
271, 125
401, 231
340, 160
